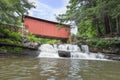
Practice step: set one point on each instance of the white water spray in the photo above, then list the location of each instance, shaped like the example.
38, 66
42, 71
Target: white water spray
76, 52
47, 50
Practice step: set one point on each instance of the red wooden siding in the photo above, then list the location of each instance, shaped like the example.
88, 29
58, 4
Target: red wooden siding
46, 28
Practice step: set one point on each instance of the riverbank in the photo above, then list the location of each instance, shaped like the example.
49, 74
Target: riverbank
24, 53
103, 45
13, 50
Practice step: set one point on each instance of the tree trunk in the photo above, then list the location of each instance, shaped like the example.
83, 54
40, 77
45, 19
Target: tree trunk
110, 23
118, 25
107, 25
98, 28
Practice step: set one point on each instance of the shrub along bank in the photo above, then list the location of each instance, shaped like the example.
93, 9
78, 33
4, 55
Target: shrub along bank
33, 38
9, 37
106, 45
16, 42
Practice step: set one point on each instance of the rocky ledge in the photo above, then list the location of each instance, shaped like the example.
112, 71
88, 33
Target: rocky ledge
30, 50
113, 51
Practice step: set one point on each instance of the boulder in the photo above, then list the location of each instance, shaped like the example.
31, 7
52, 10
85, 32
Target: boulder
64, 53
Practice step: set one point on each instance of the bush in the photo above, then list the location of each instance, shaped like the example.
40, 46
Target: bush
11, 35
6, 33
104, 43
33, 38
8, 49
9, 41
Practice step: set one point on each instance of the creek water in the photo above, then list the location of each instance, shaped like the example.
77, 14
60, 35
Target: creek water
58, 69
82, 65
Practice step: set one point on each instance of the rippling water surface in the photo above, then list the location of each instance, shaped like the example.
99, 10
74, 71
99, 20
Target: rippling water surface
58, 69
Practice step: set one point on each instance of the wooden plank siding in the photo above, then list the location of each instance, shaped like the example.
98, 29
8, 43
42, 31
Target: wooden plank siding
46, 28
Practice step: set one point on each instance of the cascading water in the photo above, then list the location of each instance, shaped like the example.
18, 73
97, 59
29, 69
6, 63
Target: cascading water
76, 52
47, 50
85, 48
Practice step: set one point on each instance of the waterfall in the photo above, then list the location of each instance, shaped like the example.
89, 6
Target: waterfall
47, 50
85, 48
76, 52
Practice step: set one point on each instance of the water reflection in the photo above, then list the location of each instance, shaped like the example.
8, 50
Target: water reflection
54, 69
74, 70
58, 69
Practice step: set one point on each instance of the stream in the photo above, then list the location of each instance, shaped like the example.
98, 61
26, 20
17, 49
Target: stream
58, 69
48, 65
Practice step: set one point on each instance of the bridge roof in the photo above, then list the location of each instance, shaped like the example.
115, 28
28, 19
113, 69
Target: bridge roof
26, 16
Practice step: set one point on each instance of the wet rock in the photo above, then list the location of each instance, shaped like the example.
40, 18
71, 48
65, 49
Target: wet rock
64, 53
113, 57
24, 53
113, 51
32, 44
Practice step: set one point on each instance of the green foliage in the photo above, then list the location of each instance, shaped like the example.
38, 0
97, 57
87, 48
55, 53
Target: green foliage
8, 36
85, 29
17, 50
93, 17
33, 38
53, 41
10, 10
9, 41
15, 36
6, 33
12, 35
6, 41
10, 49
104, 43
3, 49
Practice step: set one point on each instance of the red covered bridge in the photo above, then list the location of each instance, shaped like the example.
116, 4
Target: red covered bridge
45, 28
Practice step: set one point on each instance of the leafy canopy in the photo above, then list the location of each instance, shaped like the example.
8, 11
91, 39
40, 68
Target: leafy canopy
11, 10
92, 16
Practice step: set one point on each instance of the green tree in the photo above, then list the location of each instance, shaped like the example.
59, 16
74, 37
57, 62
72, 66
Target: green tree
12, 10
92, 17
